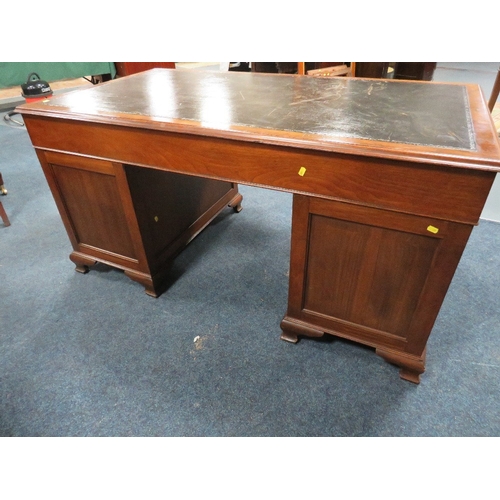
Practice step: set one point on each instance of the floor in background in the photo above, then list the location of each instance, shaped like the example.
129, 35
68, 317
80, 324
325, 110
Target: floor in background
482, 73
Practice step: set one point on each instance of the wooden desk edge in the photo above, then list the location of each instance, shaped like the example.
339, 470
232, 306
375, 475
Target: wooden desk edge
340, 145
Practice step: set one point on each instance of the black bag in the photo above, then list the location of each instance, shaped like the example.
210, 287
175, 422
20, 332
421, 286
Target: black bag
34, 88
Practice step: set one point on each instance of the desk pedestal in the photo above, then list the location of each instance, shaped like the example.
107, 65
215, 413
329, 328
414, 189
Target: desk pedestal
369, 275
136, 219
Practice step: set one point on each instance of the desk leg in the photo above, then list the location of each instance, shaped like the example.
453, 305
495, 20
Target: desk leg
152, 287
292, 330
82, 262
235, 203
411, 366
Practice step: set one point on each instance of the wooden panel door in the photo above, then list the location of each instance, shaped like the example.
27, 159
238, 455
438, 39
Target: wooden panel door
95, 208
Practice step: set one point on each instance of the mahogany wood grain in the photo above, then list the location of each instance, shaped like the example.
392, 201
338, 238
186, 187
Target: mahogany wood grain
399, 185
389, 178
371, 276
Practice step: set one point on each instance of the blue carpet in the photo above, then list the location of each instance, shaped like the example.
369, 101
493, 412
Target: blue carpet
92, 355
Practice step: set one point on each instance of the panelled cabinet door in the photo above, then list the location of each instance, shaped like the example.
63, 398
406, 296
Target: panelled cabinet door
93, 206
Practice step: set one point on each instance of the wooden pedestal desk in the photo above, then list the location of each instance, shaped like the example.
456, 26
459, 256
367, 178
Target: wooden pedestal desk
389, 178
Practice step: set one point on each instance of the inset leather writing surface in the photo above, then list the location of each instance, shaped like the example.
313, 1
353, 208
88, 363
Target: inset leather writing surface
435, 115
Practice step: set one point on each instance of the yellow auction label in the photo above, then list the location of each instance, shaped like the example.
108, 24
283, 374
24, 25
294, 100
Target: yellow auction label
432, 229
302, 171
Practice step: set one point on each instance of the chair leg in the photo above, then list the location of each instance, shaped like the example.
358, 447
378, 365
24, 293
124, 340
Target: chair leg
3, 215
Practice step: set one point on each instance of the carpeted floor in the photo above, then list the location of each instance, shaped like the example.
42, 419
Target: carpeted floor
92, 355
